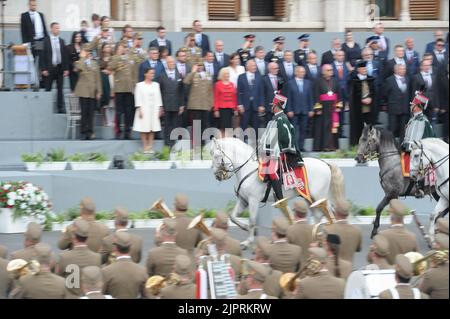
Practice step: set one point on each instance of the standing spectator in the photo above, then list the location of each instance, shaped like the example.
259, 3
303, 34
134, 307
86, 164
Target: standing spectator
84, 31
88, 89
272, 84
351, 49
444, 100
373, 70
183, 68
99, 41
149, 109
128, 35
259, 59
383, 41
219, 55
96, 27
235, 68
163, 54
193, 52
54, 63
301, 54
412, 58
73, 51
225, 100
138, 54
200, 100
428, 83
211, 67
328, 56
341, 74
287, 66
105, 24
172, 92
326, 108
399, 58
152, 62
397, 93
438, 34
250, 97
161, 40
311, 67
440, 54
247, 51
105, 74
278, 50
201, 39
33, 28
300, 104
362, 95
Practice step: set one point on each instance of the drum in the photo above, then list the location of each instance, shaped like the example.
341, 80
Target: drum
367, 284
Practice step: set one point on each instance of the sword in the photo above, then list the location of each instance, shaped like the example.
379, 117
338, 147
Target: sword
422, 229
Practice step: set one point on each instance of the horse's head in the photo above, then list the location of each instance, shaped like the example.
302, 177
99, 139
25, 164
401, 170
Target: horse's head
368, 143
221, 163
418, 162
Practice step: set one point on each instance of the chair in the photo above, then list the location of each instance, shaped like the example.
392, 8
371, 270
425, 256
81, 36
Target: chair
73, 113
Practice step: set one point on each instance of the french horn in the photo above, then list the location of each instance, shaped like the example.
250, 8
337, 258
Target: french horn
19, 268
289, 281
156, 283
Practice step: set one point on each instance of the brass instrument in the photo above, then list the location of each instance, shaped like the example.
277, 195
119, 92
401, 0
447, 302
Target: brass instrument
289, 281
322, 204
156, 283
284, 207
19, 268
198, 223
161, 207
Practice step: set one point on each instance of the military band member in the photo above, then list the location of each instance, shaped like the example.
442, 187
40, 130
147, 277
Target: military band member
284, 257
121, 223
80, 256
89, 90
379, 250
44, 284
124, 279
184, 288
277, 52
321, 284
96, 233
6, 282
271, 284
301, 54
337, 266
233, 246
247, 51
161, 259
3, 252
92, 283
403, 274
300, 233
440, 242
435, 280
350, 235
193, 52
441, 226
400, 239
258, 274
32, 237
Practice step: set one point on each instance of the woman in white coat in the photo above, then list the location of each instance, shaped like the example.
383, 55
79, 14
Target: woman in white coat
149, 109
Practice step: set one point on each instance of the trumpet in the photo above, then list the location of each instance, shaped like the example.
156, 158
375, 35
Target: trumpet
19, 268
198, 223
156, 283
161, 207
284, 207
289, 281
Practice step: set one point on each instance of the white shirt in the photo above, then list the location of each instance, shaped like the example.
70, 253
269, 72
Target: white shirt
439, 55
56, 50
274, 81
93, 32
261, 64
161, 42
399, 61
289, 69
313, 68
361, 77
170, 74
219, 57
181, 67
234, 74
409, 54
198, 39
382, 42
250, 77
38, 25
427, 78
400, 83
209, 67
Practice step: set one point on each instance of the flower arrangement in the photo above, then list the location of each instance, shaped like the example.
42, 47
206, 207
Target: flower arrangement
24, 199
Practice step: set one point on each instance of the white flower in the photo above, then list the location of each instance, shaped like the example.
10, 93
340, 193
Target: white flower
10, 202
12, 195
6, 187
23, 206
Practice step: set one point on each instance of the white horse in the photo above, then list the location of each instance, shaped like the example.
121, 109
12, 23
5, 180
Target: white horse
431, 155
231, 156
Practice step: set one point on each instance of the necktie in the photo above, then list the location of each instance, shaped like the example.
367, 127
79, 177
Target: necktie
383, 42
313, 70
440, 56
172, 75
152, 64
56, 52
300, 86
275, 83
33, 17
369, 68
221, 58
340, 71
428, 79
182, 70
403, 88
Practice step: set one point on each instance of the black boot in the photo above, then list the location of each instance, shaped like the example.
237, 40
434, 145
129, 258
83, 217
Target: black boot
276, 185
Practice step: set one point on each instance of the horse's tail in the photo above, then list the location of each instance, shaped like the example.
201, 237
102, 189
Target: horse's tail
337, 186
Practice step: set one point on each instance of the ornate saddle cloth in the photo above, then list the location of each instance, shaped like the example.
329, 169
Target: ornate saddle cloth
405, 160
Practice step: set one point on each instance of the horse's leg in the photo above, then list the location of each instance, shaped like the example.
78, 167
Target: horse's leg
238, 208
442, 204
380, 207
253, 206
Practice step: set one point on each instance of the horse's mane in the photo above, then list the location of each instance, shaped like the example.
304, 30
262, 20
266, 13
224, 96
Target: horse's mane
228, 143
435, 141
387, 138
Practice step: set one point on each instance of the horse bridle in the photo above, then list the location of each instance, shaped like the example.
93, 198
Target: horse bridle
224, 171
376, 154
422, 171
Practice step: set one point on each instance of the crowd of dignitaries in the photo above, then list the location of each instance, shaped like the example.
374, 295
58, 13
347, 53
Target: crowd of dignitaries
200, 81
97, 263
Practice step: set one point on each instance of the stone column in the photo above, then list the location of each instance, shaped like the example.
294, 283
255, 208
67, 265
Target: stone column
404, 11
128, 10
334, 15
444, 10
244, 15
170, 13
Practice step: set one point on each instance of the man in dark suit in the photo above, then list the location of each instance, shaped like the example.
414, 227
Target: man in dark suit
328, 56
383, 41
172, 92
438, 34
152, 62
247, 51
301, 54
211, 66
54, 63
183, 69
272, 82
250, 97
311, 67
259, 59
161, 40
412, 58
33, 28
440, 54
397, 91
221, 57
428, 83
300, 103
399, 58
201, 39
373, 70
287, 66
277, 52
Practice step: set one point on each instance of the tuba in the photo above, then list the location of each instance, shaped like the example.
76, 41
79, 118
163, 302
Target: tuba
289, 281
19, 268
161, 207
284, 207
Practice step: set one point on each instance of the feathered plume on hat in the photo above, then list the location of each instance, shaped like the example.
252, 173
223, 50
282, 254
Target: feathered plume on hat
420, 100
279, 101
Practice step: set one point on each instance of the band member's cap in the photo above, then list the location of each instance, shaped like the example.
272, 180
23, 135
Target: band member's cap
91, 275
318, 253
138, 35
403, 266
300, 206
442, 241
34, 231
398, 208
258, 271
81, 227
304, 37
122, 239
182, 265
280, 101
181, 202
280, 225
88, 204
380, 245
342, 207
121, 214
43, 252
263, 243
221, 220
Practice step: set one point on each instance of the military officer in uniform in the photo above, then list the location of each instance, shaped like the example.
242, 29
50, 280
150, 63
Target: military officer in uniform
96, 233
121, 223
161, 259
100, 40
257, 274
284, 257
184, 288
92, 283
350, 235
379, 250
337, 266
32, 237
301, 54
193, 52
271, 284
3, 252
403, 274
233, 246
277, 52
400, 239
320, 284
435, 280
138, 53
44, 284
247, 51
124, 279
300, 233
80, 256
6, 282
